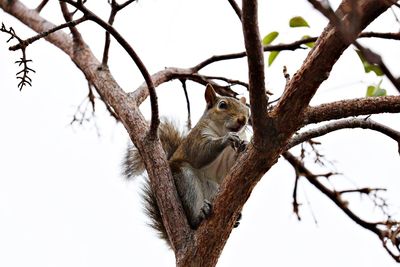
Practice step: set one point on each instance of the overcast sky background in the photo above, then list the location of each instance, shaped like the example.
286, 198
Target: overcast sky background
63, 201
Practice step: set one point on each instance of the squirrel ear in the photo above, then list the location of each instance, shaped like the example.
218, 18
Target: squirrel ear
243, 100
210, 96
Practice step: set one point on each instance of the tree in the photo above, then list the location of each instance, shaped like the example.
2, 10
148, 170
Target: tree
274, 124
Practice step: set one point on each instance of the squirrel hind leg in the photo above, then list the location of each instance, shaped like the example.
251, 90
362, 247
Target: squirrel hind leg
190, 191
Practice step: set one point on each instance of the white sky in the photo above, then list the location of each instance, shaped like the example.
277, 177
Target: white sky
63, 201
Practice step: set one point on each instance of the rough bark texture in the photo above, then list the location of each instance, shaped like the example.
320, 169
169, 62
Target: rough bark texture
272, 131
126, 109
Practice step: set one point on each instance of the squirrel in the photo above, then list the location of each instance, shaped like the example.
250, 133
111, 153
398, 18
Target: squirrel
199, 160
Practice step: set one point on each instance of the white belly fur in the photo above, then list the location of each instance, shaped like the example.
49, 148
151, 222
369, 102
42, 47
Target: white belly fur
217, 170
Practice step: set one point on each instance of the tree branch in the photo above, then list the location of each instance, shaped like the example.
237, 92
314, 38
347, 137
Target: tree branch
386, 235
127, 110
255, 61
41, 6
155, 120
76, 35
115, 8
236, 8
328, 48
353, 107
345, 124
25, 43
374, 58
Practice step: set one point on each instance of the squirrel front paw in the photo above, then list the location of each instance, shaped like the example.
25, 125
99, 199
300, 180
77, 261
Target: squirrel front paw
233, 139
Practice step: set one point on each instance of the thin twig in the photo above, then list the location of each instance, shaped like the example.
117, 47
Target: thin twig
41, 6
386, 235
345, 124
25, 43
155, 120
374, 58
295, 203
189, 119
236, 8
76, 35
21, 75
115, 8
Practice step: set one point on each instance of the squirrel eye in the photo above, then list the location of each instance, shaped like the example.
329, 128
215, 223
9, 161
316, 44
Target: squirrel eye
222, 105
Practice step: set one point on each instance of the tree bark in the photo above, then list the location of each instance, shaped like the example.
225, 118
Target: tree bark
272, 131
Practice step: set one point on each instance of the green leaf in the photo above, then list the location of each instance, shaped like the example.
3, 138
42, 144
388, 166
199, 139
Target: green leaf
376, 90
272, 57
380, 92
269, 38
369, 67
370, 90
310, 44
298, 22
374, 68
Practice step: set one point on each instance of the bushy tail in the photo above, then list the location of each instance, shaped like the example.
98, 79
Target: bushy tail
170, 138
133, 165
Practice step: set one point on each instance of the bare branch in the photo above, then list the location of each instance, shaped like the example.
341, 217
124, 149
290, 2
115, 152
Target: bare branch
127, 111
115, 8
295, 203
374, 58
169, 74
189, 120
364, 190
255, 61
236, 8
325, 53
21, 75
155, 120
353, 107
41, 6
76, 35
348, 30
25, 43
345, 124
387, 235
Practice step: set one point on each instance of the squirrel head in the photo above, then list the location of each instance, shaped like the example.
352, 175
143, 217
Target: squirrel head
228, 114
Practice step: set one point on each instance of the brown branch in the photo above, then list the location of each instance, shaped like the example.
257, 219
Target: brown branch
21, 75
325, 53
236, 8
387, 236
374, 58
155, 120
345, 124
169, 74
295, 203
288, 47
76, 35
189, 120
347, 33
129, 113
353, 107
227, 80
25, 43
382, 35
255, 61
364, 190
115, 8
41, 6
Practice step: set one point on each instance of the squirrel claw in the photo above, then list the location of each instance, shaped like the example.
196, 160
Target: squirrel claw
206, 209
242, 146
239, 217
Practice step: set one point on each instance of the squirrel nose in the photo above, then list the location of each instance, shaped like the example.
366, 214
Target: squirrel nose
241, 120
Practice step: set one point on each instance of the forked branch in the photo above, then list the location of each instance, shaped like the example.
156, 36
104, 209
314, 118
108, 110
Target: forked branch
387, 231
